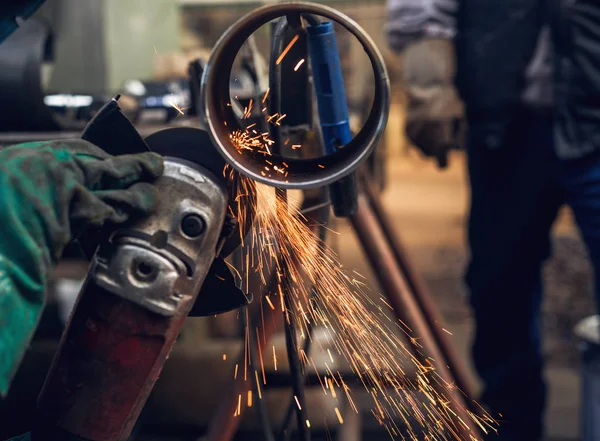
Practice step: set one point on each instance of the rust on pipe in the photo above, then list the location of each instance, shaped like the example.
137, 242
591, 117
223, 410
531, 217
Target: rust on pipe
464, 379
382, 260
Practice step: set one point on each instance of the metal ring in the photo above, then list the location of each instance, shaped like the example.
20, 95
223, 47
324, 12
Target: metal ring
221, 120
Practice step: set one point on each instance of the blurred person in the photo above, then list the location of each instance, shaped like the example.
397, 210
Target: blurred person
525, 76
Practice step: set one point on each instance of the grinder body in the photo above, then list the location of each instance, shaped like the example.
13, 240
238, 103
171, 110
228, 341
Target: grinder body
140, 288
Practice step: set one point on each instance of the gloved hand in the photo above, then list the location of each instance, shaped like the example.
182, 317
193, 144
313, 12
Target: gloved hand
435, 113
49, 193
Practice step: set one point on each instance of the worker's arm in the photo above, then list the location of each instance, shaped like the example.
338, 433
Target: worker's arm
411, 20
422, 31
49, 193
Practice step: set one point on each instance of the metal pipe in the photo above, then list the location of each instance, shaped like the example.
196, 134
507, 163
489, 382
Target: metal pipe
464, 379
382, 260
296, 373
300, 173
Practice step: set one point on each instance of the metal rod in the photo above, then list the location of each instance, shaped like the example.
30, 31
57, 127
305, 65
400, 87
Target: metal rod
382, 260
321, 221
291, 343
464, 379
224, 425
263, 412
281, 200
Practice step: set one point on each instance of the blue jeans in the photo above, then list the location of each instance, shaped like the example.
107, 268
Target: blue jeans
516, 192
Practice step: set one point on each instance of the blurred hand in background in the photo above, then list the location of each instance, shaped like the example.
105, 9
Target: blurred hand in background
435, 121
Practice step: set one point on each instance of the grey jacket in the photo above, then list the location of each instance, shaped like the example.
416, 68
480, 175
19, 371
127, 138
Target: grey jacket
412, 19
493, 78
544, 53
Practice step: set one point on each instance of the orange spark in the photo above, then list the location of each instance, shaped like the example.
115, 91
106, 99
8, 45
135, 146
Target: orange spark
257, 385
179, 109
287, 49
270, 303
353, 321
262, 364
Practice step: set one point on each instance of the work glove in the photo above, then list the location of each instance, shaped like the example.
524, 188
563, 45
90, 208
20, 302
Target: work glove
50, 192
435, 114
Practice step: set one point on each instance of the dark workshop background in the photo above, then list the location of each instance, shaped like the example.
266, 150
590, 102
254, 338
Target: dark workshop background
100, 44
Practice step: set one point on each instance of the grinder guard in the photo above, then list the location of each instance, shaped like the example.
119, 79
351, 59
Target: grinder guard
114, 133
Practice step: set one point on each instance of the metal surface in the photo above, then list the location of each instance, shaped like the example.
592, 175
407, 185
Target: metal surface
157, 265
142, 276
129, 315
381, 258
221, 120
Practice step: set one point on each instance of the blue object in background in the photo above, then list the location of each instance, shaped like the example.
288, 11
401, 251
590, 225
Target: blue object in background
329, 86
333, 109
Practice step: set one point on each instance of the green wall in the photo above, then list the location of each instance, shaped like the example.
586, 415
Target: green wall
78, 46
132, 31
101, 43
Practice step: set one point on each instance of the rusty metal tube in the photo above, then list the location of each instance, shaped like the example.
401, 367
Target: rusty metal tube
382, 259
464, 379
